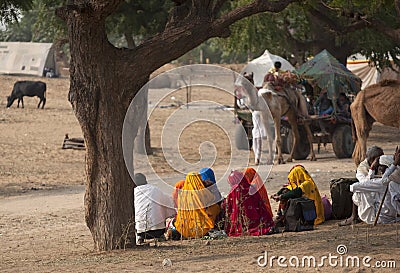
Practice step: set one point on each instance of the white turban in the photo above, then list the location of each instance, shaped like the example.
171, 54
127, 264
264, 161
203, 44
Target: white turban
386, 160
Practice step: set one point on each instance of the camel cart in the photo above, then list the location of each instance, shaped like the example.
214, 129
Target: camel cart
321, 72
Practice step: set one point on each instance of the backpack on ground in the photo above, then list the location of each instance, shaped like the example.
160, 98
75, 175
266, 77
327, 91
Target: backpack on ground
300, 214
327, 207
342, 203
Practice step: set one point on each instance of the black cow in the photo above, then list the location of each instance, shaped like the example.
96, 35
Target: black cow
27, 88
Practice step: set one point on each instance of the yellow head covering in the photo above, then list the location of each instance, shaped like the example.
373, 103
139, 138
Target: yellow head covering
196, 213
299, 177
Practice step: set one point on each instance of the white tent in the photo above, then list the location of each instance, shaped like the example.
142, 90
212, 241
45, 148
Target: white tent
262, 64
369, 74
26, 58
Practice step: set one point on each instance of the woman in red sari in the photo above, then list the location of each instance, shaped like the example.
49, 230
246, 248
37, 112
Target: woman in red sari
245, 214
257, 185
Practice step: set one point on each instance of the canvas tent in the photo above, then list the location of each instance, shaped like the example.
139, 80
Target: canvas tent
26, 58
262, 64
325, 71
369, 74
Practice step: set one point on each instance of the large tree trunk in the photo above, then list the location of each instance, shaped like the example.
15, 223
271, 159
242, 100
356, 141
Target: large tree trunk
97, 71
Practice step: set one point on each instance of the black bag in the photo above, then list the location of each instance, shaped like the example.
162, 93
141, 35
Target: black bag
342, 204
300, 214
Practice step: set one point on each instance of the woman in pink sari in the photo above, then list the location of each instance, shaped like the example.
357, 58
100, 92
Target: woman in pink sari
245, 214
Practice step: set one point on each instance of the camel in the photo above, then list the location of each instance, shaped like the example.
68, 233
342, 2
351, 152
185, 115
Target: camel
286, 102
379, 102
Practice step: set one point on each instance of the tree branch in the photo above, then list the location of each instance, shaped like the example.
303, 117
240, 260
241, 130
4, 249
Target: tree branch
217, 7
295, 43
322, 13
397, 6
105, 7
101, 8
255, 7
380, 26
201, 8
192, 30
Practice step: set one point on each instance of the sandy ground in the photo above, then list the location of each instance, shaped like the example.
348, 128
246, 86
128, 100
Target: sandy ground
42, 226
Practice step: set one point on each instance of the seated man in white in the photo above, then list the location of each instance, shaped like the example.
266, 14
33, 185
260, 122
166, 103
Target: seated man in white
365, 171
368, 195
152, 207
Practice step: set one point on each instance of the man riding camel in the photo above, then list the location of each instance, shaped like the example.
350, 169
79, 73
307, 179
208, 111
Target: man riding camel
272, 80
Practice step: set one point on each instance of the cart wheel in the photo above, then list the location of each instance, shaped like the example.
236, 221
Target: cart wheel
342, 141
303, 148
241, 140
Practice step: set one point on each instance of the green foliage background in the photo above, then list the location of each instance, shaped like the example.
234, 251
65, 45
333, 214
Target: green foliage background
281, 33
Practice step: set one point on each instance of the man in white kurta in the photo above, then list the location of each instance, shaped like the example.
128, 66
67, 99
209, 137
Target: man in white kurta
152, 207
367, 196
365, 172
258, 134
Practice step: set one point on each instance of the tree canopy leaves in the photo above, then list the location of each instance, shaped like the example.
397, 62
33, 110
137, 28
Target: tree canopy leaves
341, 26
38, 23
10, 10
344, 27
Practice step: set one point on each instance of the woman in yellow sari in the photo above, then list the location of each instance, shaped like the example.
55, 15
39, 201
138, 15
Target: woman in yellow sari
196, 209
301, 184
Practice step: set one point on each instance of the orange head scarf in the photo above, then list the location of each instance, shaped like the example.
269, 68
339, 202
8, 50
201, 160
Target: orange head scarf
258, 185
176, 191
